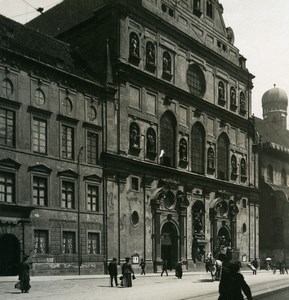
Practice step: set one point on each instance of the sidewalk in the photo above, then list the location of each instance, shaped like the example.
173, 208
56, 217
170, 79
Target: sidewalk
102, 276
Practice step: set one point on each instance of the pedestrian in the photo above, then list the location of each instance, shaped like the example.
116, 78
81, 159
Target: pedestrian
164, 267
24, 277
232, 283
274, 268
127, 273
179, 269
143, 266
285, 267
255, 265
112, 270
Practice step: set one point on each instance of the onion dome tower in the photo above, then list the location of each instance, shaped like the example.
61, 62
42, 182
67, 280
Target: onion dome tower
274, 104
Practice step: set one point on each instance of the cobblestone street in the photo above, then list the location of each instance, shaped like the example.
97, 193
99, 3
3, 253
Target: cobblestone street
152, 286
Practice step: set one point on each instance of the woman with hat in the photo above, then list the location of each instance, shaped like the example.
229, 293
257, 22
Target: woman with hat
127, 273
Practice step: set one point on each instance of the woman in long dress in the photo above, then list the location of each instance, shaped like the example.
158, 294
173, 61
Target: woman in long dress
127, 273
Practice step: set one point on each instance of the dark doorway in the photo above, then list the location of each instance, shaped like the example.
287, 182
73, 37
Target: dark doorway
9, 255
169, 244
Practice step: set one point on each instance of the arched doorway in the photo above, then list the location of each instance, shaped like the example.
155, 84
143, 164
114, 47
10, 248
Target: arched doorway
169, 244
9, 255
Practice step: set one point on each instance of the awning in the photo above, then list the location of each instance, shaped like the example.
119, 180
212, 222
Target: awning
282, 192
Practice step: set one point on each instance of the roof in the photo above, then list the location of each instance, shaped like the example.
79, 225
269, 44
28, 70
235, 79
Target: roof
65, 15
43, 48
272, 133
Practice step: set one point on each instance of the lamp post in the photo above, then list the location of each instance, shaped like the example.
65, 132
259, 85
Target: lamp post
80, 152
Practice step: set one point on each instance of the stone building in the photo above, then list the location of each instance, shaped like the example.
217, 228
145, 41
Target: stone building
179, 177
274, 169
50, 142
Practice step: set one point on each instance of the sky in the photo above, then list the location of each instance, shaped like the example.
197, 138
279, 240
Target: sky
261, 29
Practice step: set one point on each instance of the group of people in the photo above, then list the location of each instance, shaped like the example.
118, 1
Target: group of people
126, 270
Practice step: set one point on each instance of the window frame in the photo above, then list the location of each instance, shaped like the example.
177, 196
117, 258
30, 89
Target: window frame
89, 153
13, 187
98, 202
38, 144
64, 142
98, 234
73, 201
47, 241
73, 232
5, 127
34, 176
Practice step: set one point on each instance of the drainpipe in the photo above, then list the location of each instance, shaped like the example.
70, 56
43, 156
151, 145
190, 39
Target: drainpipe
80, 152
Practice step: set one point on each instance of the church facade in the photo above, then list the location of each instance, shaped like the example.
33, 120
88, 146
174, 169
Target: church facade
177, 173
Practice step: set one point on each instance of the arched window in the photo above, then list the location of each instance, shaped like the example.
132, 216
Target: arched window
196, 80
151, 141
39, 97
211, 159
134, 136
283, 177
221, 92
270, 174
134, 45
222, 156
198, 148
7, 87
168, 139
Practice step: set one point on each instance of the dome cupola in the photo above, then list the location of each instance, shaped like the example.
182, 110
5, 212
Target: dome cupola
274, 103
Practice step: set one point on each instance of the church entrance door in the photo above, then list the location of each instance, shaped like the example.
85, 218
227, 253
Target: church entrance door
169, 244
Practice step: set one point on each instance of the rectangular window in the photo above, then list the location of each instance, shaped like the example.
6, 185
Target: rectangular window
7, 188
39, 136
134, 183
40, 241
7, 127
92, 148
67, 195
40, 191
93, 243
67, 137
68, 242
92, 198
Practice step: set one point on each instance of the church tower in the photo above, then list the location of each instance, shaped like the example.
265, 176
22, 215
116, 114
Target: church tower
274, 103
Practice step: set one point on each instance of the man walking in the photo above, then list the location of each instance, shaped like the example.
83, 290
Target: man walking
112, 270
165, 268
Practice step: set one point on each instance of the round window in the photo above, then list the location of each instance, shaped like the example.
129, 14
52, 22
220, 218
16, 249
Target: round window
39, 97
91, 113
67, 105
134, 218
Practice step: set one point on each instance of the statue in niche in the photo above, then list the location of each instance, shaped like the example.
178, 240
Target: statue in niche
211, 158
134, 136
233, 96
166, 63
134, 45
150, 52
242, 101
221, 91
234, 165
243, 167
183, 150
151, 143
